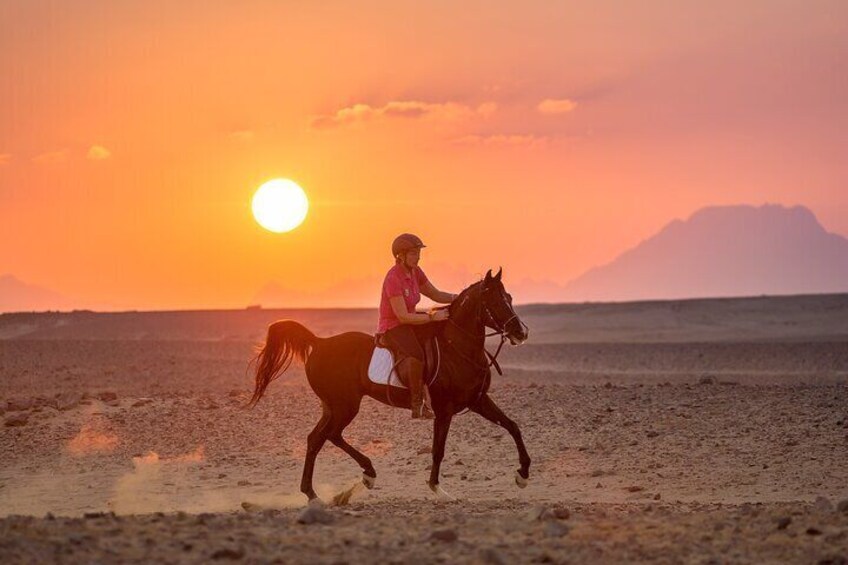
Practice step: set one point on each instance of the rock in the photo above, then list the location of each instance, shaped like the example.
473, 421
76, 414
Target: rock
108, 396
784, 522
560, 512
492, 556
424, 450
314, 514
707, 380
657, 496
634, 488
18, 404
556, 529
229, 553
813, 532
843, 506
67, 400
822, 504
537, 513
16, 420
142, 402
446, 535
652, 433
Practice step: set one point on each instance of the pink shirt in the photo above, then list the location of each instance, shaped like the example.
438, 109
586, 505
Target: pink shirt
399, 283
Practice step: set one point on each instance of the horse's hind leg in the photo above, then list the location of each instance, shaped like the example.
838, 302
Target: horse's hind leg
314, 443
489, 410
337, 426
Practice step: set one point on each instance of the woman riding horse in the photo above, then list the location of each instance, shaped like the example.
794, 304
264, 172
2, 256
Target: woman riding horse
404, 329
337, 371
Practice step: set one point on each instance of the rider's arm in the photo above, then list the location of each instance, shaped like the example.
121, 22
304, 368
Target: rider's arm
405, 317
436, 295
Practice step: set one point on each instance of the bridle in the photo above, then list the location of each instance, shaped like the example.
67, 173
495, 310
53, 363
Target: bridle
488, 322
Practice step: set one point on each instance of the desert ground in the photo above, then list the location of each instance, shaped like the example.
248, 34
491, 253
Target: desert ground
704, 431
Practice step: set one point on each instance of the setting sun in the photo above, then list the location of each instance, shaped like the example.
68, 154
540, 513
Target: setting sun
280, 205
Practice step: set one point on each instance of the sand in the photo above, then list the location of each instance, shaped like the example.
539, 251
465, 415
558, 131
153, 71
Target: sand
138, 447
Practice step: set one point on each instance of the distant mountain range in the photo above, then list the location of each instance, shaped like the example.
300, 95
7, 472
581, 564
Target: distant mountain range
724, 251
18, 296
717, 252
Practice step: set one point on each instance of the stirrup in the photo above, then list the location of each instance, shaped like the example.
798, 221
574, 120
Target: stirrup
426, 413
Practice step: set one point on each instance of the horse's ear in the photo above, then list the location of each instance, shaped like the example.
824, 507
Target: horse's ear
488, 276
498, 276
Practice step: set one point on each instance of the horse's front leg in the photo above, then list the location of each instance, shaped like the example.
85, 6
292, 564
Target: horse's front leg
441, 426
489, 410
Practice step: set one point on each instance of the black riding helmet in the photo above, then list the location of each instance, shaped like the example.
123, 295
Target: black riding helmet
406, 242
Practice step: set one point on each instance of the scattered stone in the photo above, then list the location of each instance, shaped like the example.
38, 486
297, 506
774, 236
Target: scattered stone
424, 450
15, 420
843, 506
243, 483
556, 529
314, 514
707, 380
108, 396
446, 535
813, 532
634, 488
597, 473
560, 512
492, 556
229, 553
822, 504
652, 433
68, 400
784, 522
657, 496
142, 402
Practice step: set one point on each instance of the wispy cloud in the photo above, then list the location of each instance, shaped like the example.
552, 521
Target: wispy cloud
446, 112
556, 106
5, 159
504, 140
51, 157
98, 153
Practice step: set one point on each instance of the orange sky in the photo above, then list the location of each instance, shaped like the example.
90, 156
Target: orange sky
545, 137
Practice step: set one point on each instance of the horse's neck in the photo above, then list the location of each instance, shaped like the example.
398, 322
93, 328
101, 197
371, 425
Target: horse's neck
467, 324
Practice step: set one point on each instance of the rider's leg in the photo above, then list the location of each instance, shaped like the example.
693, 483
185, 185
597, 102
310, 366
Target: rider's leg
404, 341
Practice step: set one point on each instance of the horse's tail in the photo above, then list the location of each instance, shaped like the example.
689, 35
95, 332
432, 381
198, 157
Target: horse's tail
286, 340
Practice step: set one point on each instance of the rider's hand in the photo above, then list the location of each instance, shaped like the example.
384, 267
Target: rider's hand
439, 315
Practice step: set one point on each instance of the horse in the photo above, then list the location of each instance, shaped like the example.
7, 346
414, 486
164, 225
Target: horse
337, 371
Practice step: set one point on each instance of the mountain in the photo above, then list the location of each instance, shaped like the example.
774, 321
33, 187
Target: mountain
725, 251
18, 296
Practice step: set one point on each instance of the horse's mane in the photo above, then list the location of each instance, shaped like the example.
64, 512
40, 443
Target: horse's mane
460, 299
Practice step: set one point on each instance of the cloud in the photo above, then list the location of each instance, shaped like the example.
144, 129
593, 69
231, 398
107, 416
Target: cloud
445, 112
556, 106
98, 153
5, 158
51, 157
503, 140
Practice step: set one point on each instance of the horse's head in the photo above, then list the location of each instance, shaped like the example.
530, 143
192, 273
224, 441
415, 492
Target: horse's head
497, 309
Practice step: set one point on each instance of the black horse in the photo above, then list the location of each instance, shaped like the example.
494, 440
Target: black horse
337, 370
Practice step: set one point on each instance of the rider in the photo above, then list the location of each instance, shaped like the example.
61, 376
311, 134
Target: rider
404, 329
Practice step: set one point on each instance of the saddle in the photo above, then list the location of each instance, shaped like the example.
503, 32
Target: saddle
384, 361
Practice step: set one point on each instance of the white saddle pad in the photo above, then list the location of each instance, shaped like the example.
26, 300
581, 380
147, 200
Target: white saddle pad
380, 369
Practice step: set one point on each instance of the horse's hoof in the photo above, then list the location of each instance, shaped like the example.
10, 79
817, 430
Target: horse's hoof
368, 481
520, 481
440, 492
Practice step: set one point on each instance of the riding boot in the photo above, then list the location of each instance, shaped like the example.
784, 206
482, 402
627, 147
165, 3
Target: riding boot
414, 373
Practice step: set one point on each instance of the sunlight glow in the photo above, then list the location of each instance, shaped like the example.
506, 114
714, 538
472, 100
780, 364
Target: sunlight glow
280, 205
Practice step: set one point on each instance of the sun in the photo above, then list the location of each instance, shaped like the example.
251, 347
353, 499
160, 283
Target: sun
280, 205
